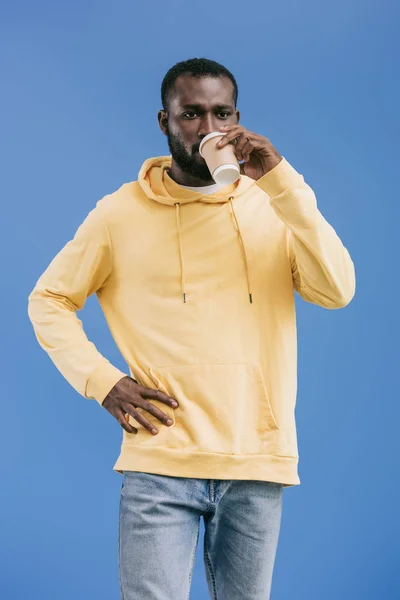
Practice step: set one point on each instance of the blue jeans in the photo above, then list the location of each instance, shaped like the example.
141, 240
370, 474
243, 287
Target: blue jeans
159, 523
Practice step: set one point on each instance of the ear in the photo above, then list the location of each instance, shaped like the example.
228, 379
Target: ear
163, 120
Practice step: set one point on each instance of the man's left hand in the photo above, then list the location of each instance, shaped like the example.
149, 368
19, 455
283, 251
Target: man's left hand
259, 154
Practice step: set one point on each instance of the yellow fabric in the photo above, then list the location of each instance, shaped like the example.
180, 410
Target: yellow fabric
178, 225
246, 262
198, 293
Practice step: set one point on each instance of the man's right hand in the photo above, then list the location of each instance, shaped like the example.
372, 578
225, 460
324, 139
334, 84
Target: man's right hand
127, 395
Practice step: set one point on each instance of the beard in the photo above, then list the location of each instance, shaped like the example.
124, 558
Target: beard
190, 163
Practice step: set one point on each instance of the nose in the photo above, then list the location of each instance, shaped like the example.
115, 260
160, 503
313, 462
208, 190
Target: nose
207, 125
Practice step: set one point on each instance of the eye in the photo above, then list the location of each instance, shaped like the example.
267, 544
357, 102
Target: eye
224, 113
189, 112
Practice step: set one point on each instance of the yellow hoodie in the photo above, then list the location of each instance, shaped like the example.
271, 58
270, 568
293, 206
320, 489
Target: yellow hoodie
198, 293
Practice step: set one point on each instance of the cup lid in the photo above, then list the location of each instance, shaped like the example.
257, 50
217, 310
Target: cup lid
208, 137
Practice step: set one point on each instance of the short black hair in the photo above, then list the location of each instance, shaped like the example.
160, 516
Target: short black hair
197, 67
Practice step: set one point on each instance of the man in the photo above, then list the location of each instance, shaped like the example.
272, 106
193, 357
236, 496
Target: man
197, 285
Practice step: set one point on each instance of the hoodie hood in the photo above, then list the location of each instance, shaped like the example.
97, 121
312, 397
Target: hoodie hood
159, 186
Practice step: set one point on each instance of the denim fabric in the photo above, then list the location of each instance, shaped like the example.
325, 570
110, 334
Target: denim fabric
159, 523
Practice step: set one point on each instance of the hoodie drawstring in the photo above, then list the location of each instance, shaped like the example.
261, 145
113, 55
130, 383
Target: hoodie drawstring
243, 248
178, 225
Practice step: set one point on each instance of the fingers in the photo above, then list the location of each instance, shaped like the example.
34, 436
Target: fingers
150, 394
132, 399
123, 421
123, 418
243, 146
245, 150
140, 418
229, 137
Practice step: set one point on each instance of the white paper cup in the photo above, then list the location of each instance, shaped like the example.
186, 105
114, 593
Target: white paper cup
222, 162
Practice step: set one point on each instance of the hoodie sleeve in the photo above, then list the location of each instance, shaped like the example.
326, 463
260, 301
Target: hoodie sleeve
323, 272
79, 270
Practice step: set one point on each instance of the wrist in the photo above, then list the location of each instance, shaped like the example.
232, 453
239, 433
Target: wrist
271, 162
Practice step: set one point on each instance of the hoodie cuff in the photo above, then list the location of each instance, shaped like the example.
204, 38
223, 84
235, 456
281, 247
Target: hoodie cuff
102, 380
280, 178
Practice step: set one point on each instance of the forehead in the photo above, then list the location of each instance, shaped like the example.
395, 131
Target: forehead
206, 91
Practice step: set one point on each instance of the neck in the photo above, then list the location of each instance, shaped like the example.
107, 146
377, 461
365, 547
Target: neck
182, 178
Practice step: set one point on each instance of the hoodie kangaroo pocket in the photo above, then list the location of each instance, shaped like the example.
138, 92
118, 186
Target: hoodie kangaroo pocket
222, 408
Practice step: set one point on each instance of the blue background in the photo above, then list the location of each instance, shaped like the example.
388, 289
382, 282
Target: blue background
80, 95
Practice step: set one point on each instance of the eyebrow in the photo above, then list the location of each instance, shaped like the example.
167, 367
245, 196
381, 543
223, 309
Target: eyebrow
199, 107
